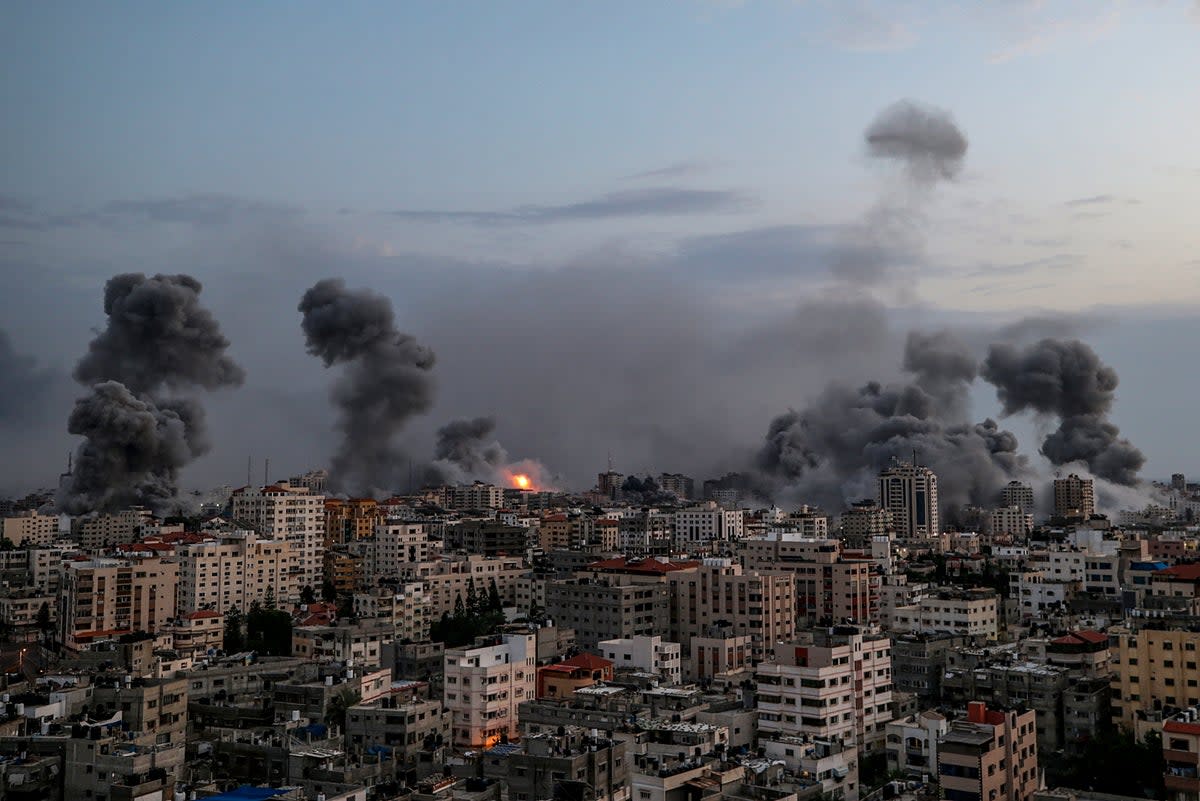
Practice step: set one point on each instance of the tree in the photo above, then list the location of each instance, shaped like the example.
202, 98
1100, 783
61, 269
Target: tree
494, 602
234, 641
269, 631
43, 618
328, 591
460, 608
307, 596
335, 711
269, 598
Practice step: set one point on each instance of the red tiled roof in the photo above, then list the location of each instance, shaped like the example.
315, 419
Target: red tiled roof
82, 635
587, 661
201, 614
1189, 572
645, 567
1086, 635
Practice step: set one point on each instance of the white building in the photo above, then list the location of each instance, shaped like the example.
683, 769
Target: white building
834, 684
485, 685
647, 654
974, 613
912, 743
1009, 521
291, 513
397, 544
910, 494
699, 525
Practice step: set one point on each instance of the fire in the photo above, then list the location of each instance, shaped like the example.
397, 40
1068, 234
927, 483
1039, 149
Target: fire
521, 481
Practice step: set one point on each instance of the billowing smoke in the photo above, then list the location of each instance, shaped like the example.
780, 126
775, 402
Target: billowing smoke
922, 138
831, 452
467, 450
1066, 379
929, 148
385, 383
140, 423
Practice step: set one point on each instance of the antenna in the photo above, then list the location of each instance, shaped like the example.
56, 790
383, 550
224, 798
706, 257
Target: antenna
915, 458
610, 461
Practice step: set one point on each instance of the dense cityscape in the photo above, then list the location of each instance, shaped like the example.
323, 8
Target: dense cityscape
651, 401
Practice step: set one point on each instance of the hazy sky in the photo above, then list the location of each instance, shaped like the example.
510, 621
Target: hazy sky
613, 221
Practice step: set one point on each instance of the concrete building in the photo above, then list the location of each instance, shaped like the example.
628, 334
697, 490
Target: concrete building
681, 486
97, 532
919, 663
562, 679
701, 525
1074, 497
31, 528
292, 513
969, 612
829, 588
990, 756
648, 654
450, 578
488, 537
912, 743
484, 686
350, 519
1009, 522
561, 765
1018, 495
104, 766
394, 545
863, 521
608, 607
757, 604
103, 598
1181, 755
235, 569
1153, 670
405, 606
401, 723
834, 684
910, 493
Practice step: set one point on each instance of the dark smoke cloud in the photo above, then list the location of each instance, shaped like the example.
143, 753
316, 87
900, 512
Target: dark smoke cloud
158, 335
386, 381
922, 138
830, 452
466, 451
1067, 380
139, 425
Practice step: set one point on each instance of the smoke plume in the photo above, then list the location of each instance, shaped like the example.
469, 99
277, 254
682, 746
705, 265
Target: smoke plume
922, 138
830, 452
385, 383
466, 451
1067, 380
140, 425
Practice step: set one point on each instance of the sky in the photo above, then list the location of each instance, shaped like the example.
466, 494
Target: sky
613, 222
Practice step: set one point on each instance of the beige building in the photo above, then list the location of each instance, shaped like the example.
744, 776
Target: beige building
970, 612
1152, 669
102, 598
990, 756
910, 494
406, 607
451, 578
97, 532
1009, 521
1074, 497
757, 604
291, 513
31, 528
834, 684
484, 686
646, 654
236, 569
829, 588
395, 545
699, 526
863, 521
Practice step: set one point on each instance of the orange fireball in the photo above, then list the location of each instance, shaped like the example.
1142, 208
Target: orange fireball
521, 481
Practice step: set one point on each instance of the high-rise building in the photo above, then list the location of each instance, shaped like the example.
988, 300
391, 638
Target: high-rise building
829, 588
1008, 521
863, 521
235, 570
1017, 494
990, 756
30, 528
288, 512
1074, 497
703, 524
1179, 482
1153, 669
679, 485
484, 686
347, 520
834, 684
910, 493
609, 483
102, 598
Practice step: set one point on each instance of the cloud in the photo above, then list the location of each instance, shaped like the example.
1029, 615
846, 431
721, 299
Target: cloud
1100, 200
1089, 21
649, 202
201, 210
867, 26
1059, 261
680, 169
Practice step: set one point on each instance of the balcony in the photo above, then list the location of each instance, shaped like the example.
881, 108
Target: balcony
1182, 784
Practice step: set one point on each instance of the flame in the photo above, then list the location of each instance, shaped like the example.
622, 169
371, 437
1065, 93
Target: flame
521, 481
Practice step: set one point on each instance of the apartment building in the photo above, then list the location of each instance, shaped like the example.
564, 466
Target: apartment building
608, 608
833, 684
757, 604
97, 532
1017, 494
402, 725
829, 587
451, 578
970, 612
395, 545
1012, 522
990, 756
1074, 497
406, 607
291, 513
30, 528
648, 654
484, 686
1181, 755
1153, 669
912, 743
701, 525
347, 520
235, 570
102, 598
865, 520
910, 494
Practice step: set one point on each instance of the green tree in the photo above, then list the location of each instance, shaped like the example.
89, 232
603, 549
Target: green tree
43, 618
269, 598
328, 591
494, 602
234, 641
269, 631
307, 596
335, 710
460, 608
